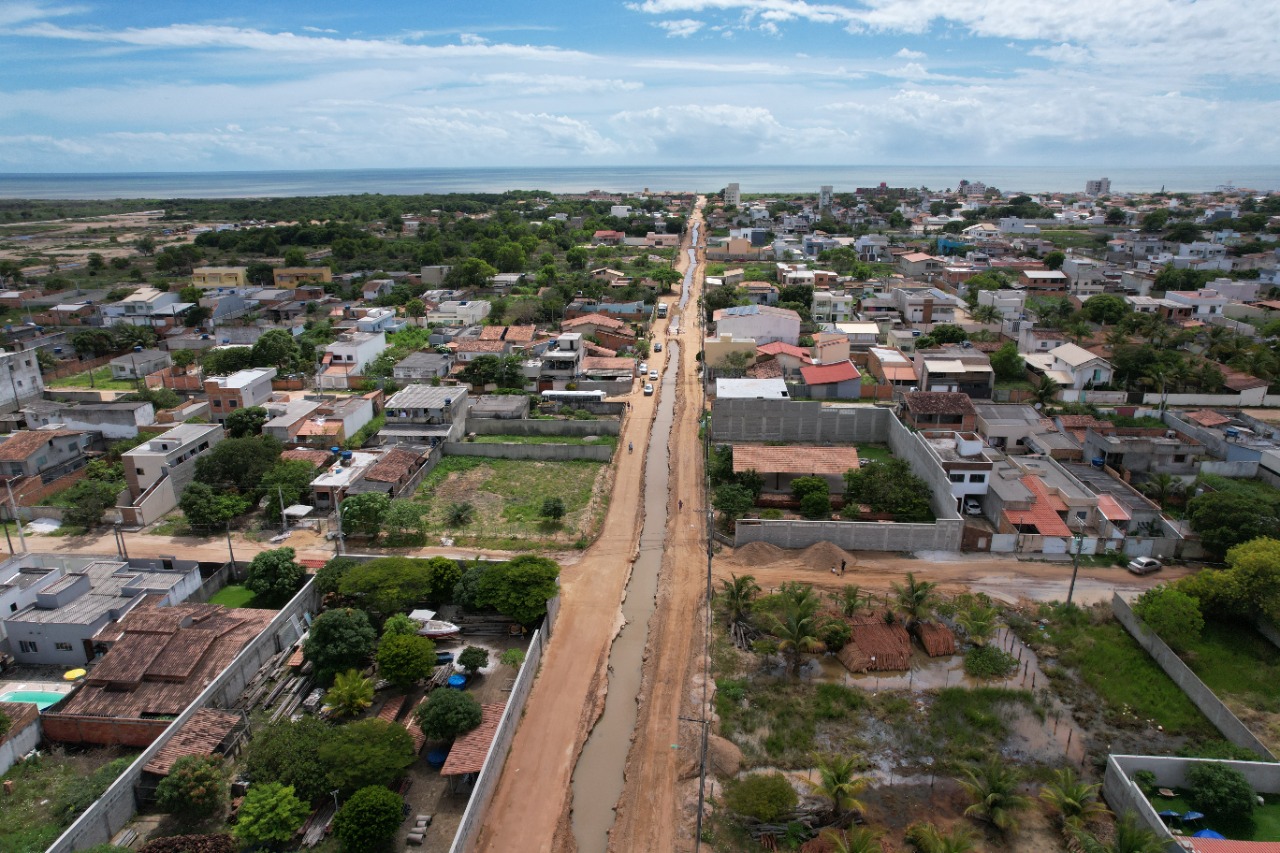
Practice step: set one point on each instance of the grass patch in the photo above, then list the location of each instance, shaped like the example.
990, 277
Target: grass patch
1234, 659
610, 440
875, 452
1131, 685
960, 727
1252, 489
173, 525
1265, 825
233, 595
101, 379
507, 495
50, 792
1072, 239
783, 723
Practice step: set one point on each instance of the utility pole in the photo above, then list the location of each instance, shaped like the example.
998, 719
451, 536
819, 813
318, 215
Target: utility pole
337, 542
232, 553
1075, 562
13, 506
283, 524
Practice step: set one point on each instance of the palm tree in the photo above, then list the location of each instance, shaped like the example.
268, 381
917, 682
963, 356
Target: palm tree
1161, 487
1118, 336
797, 637
993, 787
799, 598
737, 593
1046, 392
985, 314
859, 839
916, 599
350, 694
1078, 330
1130, 837
979, 622
1075, 801
839, 784
851, 599
927, 838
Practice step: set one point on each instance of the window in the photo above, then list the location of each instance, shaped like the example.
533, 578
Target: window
63, 647
27, 647
977, 478
1181, 457
140, 472
231, 404
957, 478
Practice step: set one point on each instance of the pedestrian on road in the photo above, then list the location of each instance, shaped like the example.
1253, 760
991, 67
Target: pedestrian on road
833, 570
842, 562
681, 505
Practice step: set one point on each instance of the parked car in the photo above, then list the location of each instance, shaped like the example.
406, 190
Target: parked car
1145, 565
657, 346
648, 389
972, 507
644, 368
653, 374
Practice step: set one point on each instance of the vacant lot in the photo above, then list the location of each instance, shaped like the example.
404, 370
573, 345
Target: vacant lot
233, 595
507, 495
101, 378
49, 792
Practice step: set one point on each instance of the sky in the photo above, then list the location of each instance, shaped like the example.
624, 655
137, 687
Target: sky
141, 85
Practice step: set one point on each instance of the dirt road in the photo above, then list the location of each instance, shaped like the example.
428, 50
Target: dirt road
663, 745
531, 807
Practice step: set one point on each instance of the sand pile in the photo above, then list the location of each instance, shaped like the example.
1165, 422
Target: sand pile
759, 554
824, 555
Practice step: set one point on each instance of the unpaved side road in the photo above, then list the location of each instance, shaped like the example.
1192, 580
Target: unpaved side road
531, 806
662, 745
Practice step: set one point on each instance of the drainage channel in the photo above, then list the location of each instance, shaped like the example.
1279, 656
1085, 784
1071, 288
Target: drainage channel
598, 775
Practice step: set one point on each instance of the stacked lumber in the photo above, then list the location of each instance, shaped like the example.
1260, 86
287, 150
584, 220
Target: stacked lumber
936, 638
877, 648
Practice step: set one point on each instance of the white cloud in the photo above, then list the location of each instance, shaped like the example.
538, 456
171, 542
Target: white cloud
543, 84
318, 30
21, 11
1065, 53
906, 53
682, 28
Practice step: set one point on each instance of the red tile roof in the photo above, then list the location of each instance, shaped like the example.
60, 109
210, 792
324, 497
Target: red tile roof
794, 459
394, 466
470, 750
939, 403
1043, 514
319, 458
776, 348
824, 374
1207, 418
770, 369
25, 442
201, 735
601, 320
1219, 845
1111, 509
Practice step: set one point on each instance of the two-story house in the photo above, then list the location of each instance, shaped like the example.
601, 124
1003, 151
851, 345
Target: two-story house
44, 453
219, 277
763, 323
157, 471
139, 364
955, 369
25, 382
1071, 366
345, 359
833, 306
289, 277
423, 366
459, 312
425, 414
146, 306
562, 360
240, 390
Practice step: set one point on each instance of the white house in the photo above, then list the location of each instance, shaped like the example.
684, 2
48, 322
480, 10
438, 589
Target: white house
348, 356
463, 312
762, 323
1203, 303
1072, 366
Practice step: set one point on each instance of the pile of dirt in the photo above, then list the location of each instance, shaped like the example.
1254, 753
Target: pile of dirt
724, 756
824, 555
758, 554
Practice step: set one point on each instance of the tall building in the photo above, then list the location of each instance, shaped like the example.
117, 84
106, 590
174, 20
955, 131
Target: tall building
732, 196
20, 379
1102, 186
824, 197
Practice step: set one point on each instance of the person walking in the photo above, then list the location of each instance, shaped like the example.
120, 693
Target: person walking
842, 564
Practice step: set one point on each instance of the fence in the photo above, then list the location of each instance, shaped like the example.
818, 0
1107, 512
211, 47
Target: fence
551, 452
487, 782
212, 584
116, 807
1199, 694
942, 535
574, 429
74, 367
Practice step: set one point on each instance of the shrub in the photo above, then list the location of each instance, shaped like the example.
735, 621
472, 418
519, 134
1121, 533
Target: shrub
195, 787
835, 634
79, 793
1221, 792
448, 713
369, 819
989, 662
369, 752
1145, 779
766, 797
288, 752
1172, 614
329, 578
815, 505
513, 658
459, 514
339, 640
270, 814
473, 659
406, 659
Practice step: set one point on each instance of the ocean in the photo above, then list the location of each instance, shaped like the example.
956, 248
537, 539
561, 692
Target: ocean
752, 179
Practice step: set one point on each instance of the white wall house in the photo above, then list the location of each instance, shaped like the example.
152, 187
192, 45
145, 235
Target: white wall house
762, 323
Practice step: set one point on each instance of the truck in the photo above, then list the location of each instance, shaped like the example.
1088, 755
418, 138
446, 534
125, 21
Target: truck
662, 310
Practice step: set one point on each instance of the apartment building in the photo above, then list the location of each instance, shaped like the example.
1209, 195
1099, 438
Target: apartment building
219, 277
240, 390
25, 382
157, 471
346, 358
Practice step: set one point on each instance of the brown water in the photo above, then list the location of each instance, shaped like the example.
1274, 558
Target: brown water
598, 775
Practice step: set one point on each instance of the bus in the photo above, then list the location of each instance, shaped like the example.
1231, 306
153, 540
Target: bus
573, 396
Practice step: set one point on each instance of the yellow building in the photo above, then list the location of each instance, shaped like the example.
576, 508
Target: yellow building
219, 277
716, 351
290, 277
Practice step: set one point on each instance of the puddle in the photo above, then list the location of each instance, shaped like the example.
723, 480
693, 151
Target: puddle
597, 777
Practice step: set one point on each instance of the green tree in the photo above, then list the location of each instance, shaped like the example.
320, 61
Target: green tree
1222, 792
286, 752
916, 600
5, 724
985, 314
1226, 519
1161, 487
513, 658
86, 501
736, 595
766, 797
196, 787
1130, 837
287, 483
447, 714
857, 839
888, 487
979, 621
839, 784
473, 659
367, 752
797, 636
1073, 800
1007, 363
1105, 308
1046, 391
274, 576
397, 625
145, 245
520, 588
667, 278
948, 333
851, 600
350, 694
330, 576
270, 815
406, 659
225, 361
404, 518
470, 273
368, 820
239, 464
340, 639
993, 788
552, 510
363, 514
1054, 260
246, 422
390, 584
1172, 614
732, 500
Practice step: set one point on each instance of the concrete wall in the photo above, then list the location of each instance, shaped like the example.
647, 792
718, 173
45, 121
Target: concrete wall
576, 429
1199, 694
487, 781
23, 736
1246, 470
942, 535
801, 423
117, 806
552, 452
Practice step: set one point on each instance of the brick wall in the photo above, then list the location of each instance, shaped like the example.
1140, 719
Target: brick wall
75, 728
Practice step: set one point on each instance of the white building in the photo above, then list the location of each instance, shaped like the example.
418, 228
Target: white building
833, 306
348, 356
762, 323
732, 196
158, 471
1072, 366
25, 383
1203, 303
464, 312
1102, 186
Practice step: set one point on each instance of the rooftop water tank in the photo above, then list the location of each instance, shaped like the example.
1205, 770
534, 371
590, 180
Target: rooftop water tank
335, 450
346, 455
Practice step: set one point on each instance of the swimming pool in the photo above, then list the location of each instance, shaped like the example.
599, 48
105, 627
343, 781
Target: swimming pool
43, 699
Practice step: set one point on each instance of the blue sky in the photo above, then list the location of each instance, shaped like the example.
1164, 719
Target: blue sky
163, 86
